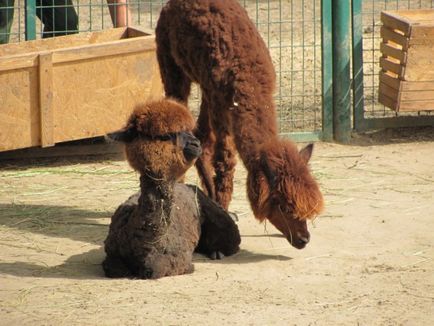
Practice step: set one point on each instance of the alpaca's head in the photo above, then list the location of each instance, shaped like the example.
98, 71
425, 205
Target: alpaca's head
282, 190
158, 139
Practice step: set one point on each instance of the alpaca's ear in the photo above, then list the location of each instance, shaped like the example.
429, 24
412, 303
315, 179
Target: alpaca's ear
268, 171
125, 135
306, 153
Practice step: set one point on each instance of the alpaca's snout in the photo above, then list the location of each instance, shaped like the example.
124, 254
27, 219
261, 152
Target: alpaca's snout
300, 241
192, 150
191, 144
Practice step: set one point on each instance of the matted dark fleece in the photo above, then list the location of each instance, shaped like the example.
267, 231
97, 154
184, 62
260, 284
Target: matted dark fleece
155, 232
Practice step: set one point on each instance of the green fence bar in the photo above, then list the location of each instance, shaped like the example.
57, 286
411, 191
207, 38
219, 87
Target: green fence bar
341, 14
327, 70
357, 34
30, 19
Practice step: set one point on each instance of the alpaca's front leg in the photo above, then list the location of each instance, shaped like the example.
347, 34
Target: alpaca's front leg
224, 159
207, 140
114, 267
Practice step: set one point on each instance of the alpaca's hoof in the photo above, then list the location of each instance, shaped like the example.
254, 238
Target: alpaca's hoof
216, 255
233, 216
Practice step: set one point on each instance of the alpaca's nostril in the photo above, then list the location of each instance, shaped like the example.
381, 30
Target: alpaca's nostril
192, 150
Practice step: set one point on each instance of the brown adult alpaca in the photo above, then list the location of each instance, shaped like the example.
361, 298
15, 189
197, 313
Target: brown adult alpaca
155, 232
214, 43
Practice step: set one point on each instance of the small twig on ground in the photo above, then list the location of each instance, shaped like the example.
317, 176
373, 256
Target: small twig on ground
319, 256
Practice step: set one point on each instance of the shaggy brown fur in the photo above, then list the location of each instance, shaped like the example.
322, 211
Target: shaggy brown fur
214, 43
154, 233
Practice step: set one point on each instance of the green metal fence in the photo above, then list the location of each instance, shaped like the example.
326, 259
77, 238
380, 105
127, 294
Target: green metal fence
310, 44
291, 29
368, 112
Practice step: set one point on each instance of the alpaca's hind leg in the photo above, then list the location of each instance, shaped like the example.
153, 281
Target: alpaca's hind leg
207, 139
176, 83
219, 235
224, 159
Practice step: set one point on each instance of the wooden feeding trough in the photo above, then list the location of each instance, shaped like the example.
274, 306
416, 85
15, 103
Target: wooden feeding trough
74, 87
407, 62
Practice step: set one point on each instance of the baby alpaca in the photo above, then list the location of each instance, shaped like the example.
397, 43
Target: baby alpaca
155, 232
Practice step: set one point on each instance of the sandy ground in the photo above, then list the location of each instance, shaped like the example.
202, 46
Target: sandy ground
370, 261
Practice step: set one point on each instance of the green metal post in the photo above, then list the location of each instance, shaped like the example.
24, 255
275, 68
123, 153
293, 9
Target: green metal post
341, 70
357, 28
30, 20
327, 70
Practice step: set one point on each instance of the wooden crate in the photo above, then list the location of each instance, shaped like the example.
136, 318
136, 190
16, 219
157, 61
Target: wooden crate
407, 62
74, 87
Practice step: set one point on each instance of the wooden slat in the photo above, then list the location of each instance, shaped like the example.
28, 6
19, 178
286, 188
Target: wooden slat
422, 32
390, 35
418, 96
389, 65
389, 80
387, 101
412, 106
417, 86
46, 98
138, 31
393, 51
109, 150
394, 21
120, 47
389, 92
405, 86
61, 42
18, 62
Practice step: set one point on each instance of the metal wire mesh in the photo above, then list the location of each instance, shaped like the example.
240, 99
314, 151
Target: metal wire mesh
371, 51
290, 28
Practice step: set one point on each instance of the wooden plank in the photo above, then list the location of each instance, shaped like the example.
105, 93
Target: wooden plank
46, 98
112, 150
413, 16
387, 49
387, 101
416, 86
19, 109
405, 86
137, 31
414, 106
108, 87
390, 92
392, 20
418, 96
391, 35
61, 42
422, 32
121, 47
8, 63
388, 65
389, 80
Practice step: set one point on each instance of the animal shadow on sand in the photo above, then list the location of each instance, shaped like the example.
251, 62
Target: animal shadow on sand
85, 226
88, 265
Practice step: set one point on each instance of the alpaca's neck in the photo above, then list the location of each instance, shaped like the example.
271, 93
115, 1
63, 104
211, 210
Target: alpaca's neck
155, 204
254, 122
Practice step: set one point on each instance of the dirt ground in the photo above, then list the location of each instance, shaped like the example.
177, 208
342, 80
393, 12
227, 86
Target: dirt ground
370, 260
